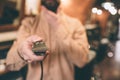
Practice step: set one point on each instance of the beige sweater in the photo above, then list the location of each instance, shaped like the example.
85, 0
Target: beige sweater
66, 39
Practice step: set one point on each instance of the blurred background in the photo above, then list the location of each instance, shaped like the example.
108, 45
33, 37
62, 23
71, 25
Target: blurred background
102, 27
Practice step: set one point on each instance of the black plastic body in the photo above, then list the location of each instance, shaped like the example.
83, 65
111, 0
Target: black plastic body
39, 48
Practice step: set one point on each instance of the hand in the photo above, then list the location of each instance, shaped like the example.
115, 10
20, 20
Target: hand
25, 49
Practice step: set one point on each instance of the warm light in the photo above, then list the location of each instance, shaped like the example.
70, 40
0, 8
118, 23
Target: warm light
94, 10
119, 11
119, 28
99, 12
110, 54
107, 5
110, 7
65, 2
117, 51
112, 10
32, 6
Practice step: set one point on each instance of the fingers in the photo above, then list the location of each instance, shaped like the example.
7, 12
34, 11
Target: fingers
34, 38
28, 55
25, 49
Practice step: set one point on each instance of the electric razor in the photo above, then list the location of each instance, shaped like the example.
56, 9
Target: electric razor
39, 48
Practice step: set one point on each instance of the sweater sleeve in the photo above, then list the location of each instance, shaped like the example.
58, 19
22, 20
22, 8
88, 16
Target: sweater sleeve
74, 43
77, 47
13, 60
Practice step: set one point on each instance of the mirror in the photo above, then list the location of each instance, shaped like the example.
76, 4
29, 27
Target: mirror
10, 14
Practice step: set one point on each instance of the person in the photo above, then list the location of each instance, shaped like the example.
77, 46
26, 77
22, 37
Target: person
65, 38
79, 10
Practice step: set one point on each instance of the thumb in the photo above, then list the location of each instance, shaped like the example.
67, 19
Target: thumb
34, 38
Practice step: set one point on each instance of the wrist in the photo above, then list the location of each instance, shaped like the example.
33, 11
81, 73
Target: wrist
20, 55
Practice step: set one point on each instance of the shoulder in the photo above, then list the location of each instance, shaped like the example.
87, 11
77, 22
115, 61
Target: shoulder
70, 22
27, 21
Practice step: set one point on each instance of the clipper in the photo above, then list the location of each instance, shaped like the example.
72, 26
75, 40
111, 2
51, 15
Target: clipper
39, 48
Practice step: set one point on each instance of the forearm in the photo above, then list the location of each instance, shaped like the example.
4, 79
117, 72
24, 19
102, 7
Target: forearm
77, 51
13, 60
